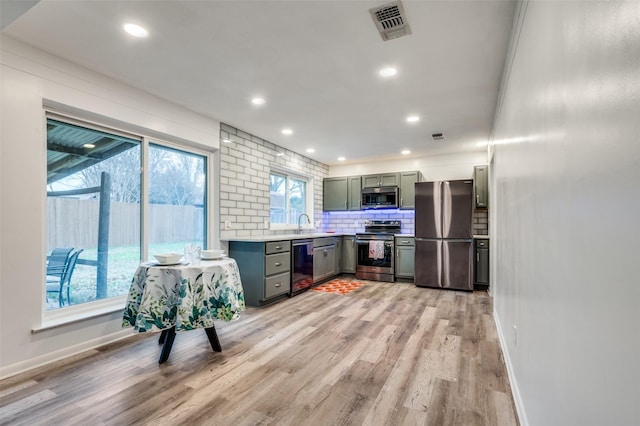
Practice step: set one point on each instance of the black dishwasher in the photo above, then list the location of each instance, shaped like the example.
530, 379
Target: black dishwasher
302, 266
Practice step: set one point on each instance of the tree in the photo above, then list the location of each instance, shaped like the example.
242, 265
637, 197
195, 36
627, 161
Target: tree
124, 169
175, 177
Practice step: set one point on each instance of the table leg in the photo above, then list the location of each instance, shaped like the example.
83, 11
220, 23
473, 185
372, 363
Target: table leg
213, 339
167, 343
163, 335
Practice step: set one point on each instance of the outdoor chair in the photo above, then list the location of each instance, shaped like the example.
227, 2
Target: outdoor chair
56, 262
54, 286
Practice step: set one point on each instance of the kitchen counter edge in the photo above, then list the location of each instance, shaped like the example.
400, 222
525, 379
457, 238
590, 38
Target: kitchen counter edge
284, 237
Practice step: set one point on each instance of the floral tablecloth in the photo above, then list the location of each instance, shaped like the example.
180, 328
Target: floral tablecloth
184, 296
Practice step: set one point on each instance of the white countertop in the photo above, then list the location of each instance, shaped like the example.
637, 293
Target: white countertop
307, 236
267, 238
481, 237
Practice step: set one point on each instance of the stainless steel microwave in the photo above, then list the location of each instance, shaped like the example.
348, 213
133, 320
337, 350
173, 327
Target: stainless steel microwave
383, 197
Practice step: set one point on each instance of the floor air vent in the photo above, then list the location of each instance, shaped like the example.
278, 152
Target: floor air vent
390, 20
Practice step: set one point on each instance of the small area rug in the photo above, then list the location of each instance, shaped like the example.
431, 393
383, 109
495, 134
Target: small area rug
339, 286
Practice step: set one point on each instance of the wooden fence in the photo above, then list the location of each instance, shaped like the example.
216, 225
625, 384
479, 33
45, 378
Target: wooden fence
74, 223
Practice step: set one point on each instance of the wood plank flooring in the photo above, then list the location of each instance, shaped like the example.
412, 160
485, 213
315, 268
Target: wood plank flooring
385, 354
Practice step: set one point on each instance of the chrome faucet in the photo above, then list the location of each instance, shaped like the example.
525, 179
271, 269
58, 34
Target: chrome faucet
299, 225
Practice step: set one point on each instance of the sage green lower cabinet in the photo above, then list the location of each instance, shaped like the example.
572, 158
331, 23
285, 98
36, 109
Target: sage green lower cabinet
324, 258
265, 269
338, 256
405, 257
348, 254
481, 275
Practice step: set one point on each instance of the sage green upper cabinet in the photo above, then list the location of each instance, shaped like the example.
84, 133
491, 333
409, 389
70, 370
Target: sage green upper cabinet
386, 179
481, 186
341, 193
405, 254
408, 189
335, 194
354, 193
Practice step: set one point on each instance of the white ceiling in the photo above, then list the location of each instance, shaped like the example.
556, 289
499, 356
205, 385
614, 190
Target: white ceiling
315, 62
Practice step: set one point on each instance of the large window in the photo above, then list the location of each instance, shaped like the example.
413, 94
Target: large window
177, 195
95, 200
288, 198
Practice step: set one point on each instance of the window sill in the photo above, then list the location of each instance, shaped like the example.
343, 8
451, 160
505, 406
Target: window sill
70, 315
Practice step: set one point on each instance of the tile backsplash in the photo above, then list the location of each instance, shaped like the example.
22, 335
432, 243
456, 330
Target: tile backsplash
352, 222
481, 222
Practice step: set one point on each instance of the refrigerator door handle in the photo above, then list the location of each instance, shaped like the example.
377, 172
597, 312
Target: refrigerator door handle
441, 266
437, 205
446, 209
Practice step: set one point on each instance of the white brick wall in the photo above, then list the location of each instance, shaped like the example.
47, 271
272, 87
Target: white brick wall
245, 165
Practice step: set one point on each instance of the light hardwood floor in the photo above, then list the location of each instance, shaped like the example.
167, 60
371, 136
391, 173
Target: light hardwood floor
385, 354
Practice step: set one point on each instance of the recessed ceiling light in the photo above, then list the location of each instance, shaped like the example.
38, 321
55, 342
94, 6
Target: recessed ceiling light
88, 145
135, 30
413, 119
388, 72
341, 158
257, 101
405, 152
287, 131
311, 150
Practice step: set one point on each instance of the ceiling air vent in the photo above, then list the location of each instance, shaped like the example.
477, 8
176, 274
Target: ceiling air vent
437, 136
390, 20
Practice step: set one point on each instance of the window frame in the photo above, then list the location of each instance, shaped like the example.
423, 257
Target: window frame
73, 313
308, 202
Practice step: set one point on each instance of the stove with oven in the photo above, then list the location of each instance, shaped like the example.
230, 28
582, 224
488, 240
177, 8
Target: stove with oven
375, 251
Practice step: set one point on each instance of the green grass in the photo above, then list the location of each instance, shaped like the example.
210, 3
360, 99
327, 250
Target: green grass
123, 262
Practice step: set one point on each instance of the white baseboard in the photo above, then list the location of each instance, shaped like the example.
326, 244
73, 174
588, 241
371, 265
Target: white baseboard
515, 391
39, 361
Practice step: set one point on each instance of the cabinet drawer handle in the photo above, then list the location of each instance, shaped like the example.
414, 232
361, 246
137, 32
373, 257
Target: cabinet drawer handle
407, 242
278, 263
345, 204
278, 247
400, 201
278, 285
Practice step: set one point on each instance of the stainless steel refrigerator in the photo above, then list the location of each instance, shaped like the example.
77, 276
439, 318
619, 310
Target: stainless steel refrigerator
444, 240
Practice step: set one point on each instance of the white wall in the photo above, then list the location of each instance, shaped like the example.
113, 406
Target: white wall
438, 167
29, 78
566, 209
